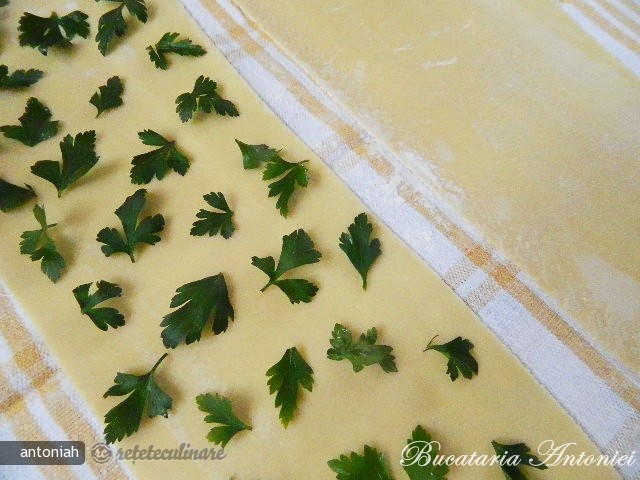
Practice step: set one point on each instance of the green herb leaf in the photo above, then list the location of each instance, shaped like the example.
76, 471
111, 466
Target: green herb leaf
515, 456
368, 466
12, 196
19, 78
286, 378
112, 24
4, 3
362, 353
157, 162
220, 411
39, 246
43, 33
102, 317
146, 398
458, 352
204, 97
213, 223
297, 250
35, 125
169, 44
78, 157
291, 174
135, 232
200, 300
419, 466
109, 96
255, 155
361, 250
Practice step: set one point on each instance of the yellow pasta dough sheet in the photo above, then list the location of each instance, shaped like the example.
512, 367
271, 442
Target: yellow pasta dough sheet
405, 300
514, 115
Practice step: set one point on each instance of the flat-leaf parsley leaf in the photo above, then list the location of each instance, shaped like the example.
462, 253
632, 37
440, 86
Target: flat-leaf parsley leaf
297, 250
78, 157
361, 250
112, 24
212, 223
368, 466
290, 174
514, 457
169, 44
157, 162
198, 301
419, 466
146, 398
35, 125
43, 33
102, 317
19, 78
13, 196
146, 231
205, 98
108, 96
39, 246
458, 352
361, 353
255, 155
286, 378
220, 411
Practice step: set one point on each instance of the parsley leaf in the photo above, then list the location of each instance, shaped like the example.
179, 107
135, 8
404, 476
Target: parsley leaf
112, 23
169, 44
109, 96
200, 301
102, 317
515, 456
357, 244
12, 196
146, 397
460, 358
369, 466
203, 97
134, 232
19, 78
213, 223
39, 246
35, 125
255, 155
419, 466
362, 353
286, 378
297, 250
43, 33
220, 411
157, 162
78, 157
291, 174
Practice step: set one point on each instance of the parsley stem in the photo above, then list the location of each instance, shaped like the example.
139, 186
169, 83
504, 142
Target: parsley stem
429, 344
159, 361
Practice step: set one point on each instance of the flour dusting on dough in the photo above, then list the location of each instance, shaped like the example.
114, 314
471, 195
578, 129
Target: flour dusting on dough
428, 171
619, 296
440, 63
618, 290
